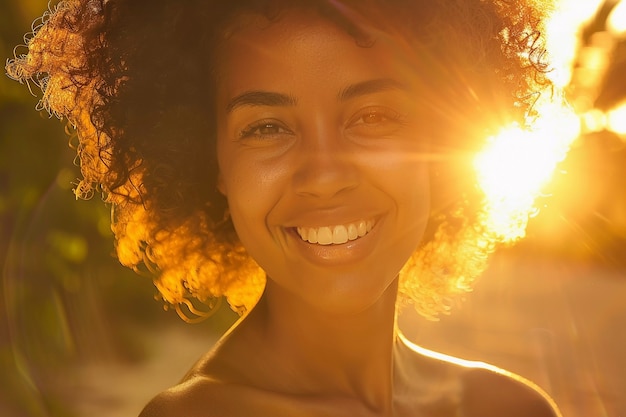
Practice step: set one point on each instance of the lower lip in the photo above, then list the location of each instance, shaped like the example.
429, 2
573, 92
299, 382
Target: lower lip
336, 254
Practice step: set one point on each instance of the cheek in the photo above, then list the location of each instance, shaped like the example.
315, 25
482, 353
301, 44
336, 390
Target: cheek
420, 193
252, 189
418, 184
409, 182
246, 206
415, 206
243, 189
406, 175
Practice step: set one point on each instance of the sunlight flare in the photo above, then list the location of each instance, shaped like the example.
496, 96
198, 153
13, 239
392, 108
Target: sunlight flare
616, 119
516, 165
616, 22
563, 36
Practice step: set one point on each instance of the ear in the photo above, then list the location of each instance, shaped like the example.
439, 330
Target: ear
221, 186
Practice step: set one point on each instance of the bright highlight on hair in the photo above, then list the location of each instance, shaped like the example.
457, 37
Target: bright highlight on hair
616, 23
517, 164
563, 29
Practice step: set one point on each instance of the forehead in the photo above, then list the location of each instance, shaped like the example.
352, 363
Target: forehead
302, 45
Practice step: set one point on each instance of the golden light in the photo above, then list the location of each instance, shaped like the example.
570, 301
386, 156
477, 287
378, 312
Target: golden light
515, 165
594, 120
616, 22
563, 36
616, 119
613, 120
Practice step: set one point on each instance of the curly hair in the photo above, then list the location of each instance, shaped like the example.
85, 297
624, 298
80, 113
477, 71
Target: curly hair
135, 78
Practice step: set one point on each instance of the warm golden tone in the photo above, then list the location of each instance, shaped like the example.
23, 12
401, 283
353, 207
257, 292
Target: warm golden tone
143, 114
308, 161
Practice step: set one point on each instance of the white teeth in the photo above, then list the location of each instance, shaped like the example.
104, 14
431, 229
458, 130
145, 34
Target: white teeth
340, 234
353, 233
362, 228
335, 235
324, 236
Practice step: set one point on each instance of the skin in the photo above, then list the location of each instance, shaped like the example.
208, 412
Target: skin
341, 151
322, 132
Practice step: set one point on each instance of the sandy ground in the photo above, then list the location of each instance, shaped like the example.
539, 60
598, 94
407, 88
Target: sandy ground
559, 324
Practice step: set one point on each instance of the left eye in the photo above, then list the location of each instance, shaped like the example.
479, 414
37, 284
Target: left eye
264, 129
376, 121
267, 129
374, 117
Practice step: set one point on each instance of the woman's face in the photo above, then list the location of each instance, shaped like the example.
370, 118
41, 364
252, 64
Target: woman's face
321, 158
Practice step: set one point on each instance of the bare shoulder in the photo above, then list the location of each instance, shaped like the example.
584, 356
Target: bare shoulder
204, 396
482, 390
209, 395
201, 396
195, 397
489, 391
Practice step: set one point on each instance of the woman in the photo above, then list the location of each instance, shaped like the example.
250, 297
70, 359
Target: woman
319, 140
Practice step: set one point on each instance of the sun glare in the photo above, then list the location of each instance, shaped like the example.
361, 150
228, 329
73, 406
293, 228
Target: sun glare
616, 119
563, 36
616, 22
515, 165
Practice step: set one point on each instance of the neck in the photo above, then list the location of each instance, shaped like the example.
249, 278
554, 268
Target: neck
349, 354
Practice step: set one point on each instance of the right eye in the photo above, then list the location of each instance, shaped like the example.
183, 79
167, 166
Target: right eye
264, 129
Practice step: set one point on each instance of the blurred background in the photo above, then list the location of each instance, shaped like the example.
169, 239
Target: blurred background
82, 336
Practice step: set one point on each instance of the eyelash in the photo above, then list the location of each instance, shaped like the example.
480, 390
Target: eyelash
250, 130
388, 116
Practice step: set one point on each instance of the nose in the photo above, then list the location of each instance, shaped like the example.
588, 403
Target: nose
326, 167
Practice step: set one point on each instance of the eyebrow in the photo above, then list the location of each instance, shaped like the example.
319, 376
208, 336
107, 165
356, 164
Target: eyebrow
268, 98
260, 98
371, 87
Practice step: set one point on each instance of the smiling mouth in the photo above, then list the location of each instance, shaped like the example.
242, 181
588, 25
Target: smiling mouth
335, 235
